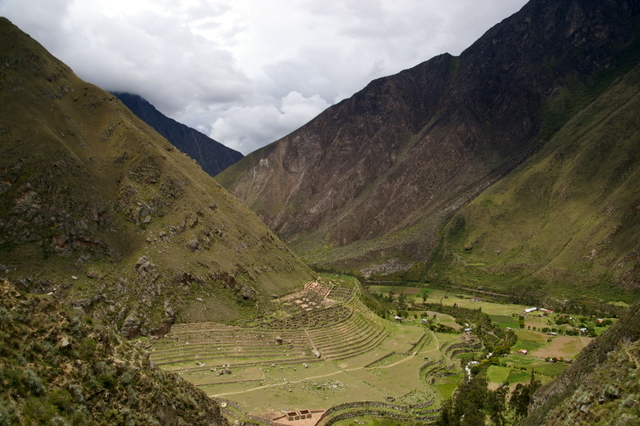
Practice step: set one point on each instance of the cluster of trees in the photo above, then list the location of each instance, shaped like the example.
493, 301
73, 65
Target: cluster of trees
474, 404
532, 296
433, 325
494, 338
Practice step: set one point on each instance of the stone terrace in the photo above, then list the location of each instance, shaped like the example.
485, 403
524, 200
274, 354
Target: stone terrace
328, 330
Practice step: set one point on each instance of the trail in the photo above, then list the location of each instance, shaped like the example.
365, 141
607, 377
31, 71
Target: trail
348, 370
290, 382
632, 357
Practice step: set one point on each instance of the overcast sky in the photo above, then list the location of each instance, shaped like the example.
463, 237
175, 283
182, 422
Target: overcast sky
247, 72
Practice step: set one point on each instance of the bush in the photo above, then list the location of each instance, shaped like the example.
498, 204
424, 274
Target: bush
39, 411
62, 399
33, 382
87, 347
107, 380
7, 414
4, 315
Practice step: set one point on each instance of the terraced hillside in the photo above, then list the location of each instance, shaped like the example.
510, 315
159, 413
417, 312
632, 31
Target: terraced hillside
322, 328
324, 353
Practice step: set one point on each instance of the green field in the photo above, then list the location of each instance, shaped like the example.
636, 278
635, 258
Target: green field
505, 321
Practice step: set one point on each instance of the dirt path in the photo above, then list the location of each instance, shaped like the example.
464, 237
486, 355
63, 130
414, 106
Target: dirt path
348, 370
412, 355
632, 357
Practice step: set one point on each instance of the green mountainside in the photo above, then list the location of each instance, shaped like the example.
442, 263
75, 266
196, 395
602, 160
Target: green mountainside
568, 219
99, 210
57, 369
515, 162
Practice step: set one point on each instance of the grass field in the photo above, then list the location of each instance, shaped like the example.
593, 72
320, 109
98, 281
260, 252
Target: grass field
505, 321
497, 374
563, 346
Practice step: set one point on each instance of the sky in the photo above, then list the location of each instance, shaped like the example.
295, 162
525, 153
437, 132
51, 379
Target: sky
248, 72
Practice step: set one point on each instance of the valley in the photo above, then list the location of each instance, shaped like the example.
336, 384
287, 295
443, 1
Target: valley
456, 243
323, 351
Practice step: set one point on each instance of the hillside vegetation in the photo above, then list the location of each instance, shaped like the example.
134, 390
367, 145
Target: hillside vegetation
98, 209
567, 220
57, 369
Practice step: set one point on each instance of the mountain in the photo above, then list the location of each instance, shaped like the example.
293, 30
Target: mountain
212, 156
57, 369
566, 220
369, 184
99, 210
601, 386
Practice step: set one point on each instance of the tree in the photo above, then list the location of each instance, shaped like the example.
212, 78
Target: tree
496, 405
402, 301
521, 396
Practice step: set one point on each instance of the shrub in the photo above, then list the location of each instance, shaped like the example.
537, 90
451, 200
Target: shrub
132, 398
33, 382
7, 414
61, 398
107, 380
4, 315
87, 347
39, 411
76, 391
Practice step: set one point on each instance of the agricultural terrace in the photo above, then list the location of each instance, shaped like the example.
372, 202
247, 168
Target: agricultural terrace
324, 353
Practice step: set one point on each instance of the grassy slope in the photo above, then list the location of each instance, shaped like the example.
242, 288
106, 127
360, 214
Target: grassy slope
566, 220
88, 189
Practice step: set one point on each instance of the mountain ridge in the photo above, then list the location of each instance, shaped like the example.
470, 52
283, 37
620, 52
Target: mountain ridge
210, 154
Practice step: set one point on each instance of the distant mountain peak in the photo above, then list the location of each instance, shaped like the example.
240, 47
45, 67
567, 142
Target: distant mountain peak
211, 155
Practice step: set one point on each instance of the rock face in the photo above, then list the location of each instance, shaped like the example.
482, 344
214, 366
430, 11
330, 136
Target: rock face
367, 184
102, 212
211, 155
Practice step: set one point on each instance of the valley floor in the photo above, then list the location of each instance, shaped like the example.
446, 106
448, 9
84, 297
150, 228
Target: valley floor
326, 355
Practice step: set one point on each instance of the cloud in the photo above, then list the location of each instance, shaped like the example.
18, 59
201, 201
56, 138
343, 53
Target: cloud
248, 128
249, 71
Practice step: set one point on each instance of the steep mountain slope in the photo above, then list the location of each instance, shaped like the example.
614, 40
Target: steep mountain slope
601, 387
211, 155
56, 369
99, 209
368, 183
568, 215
